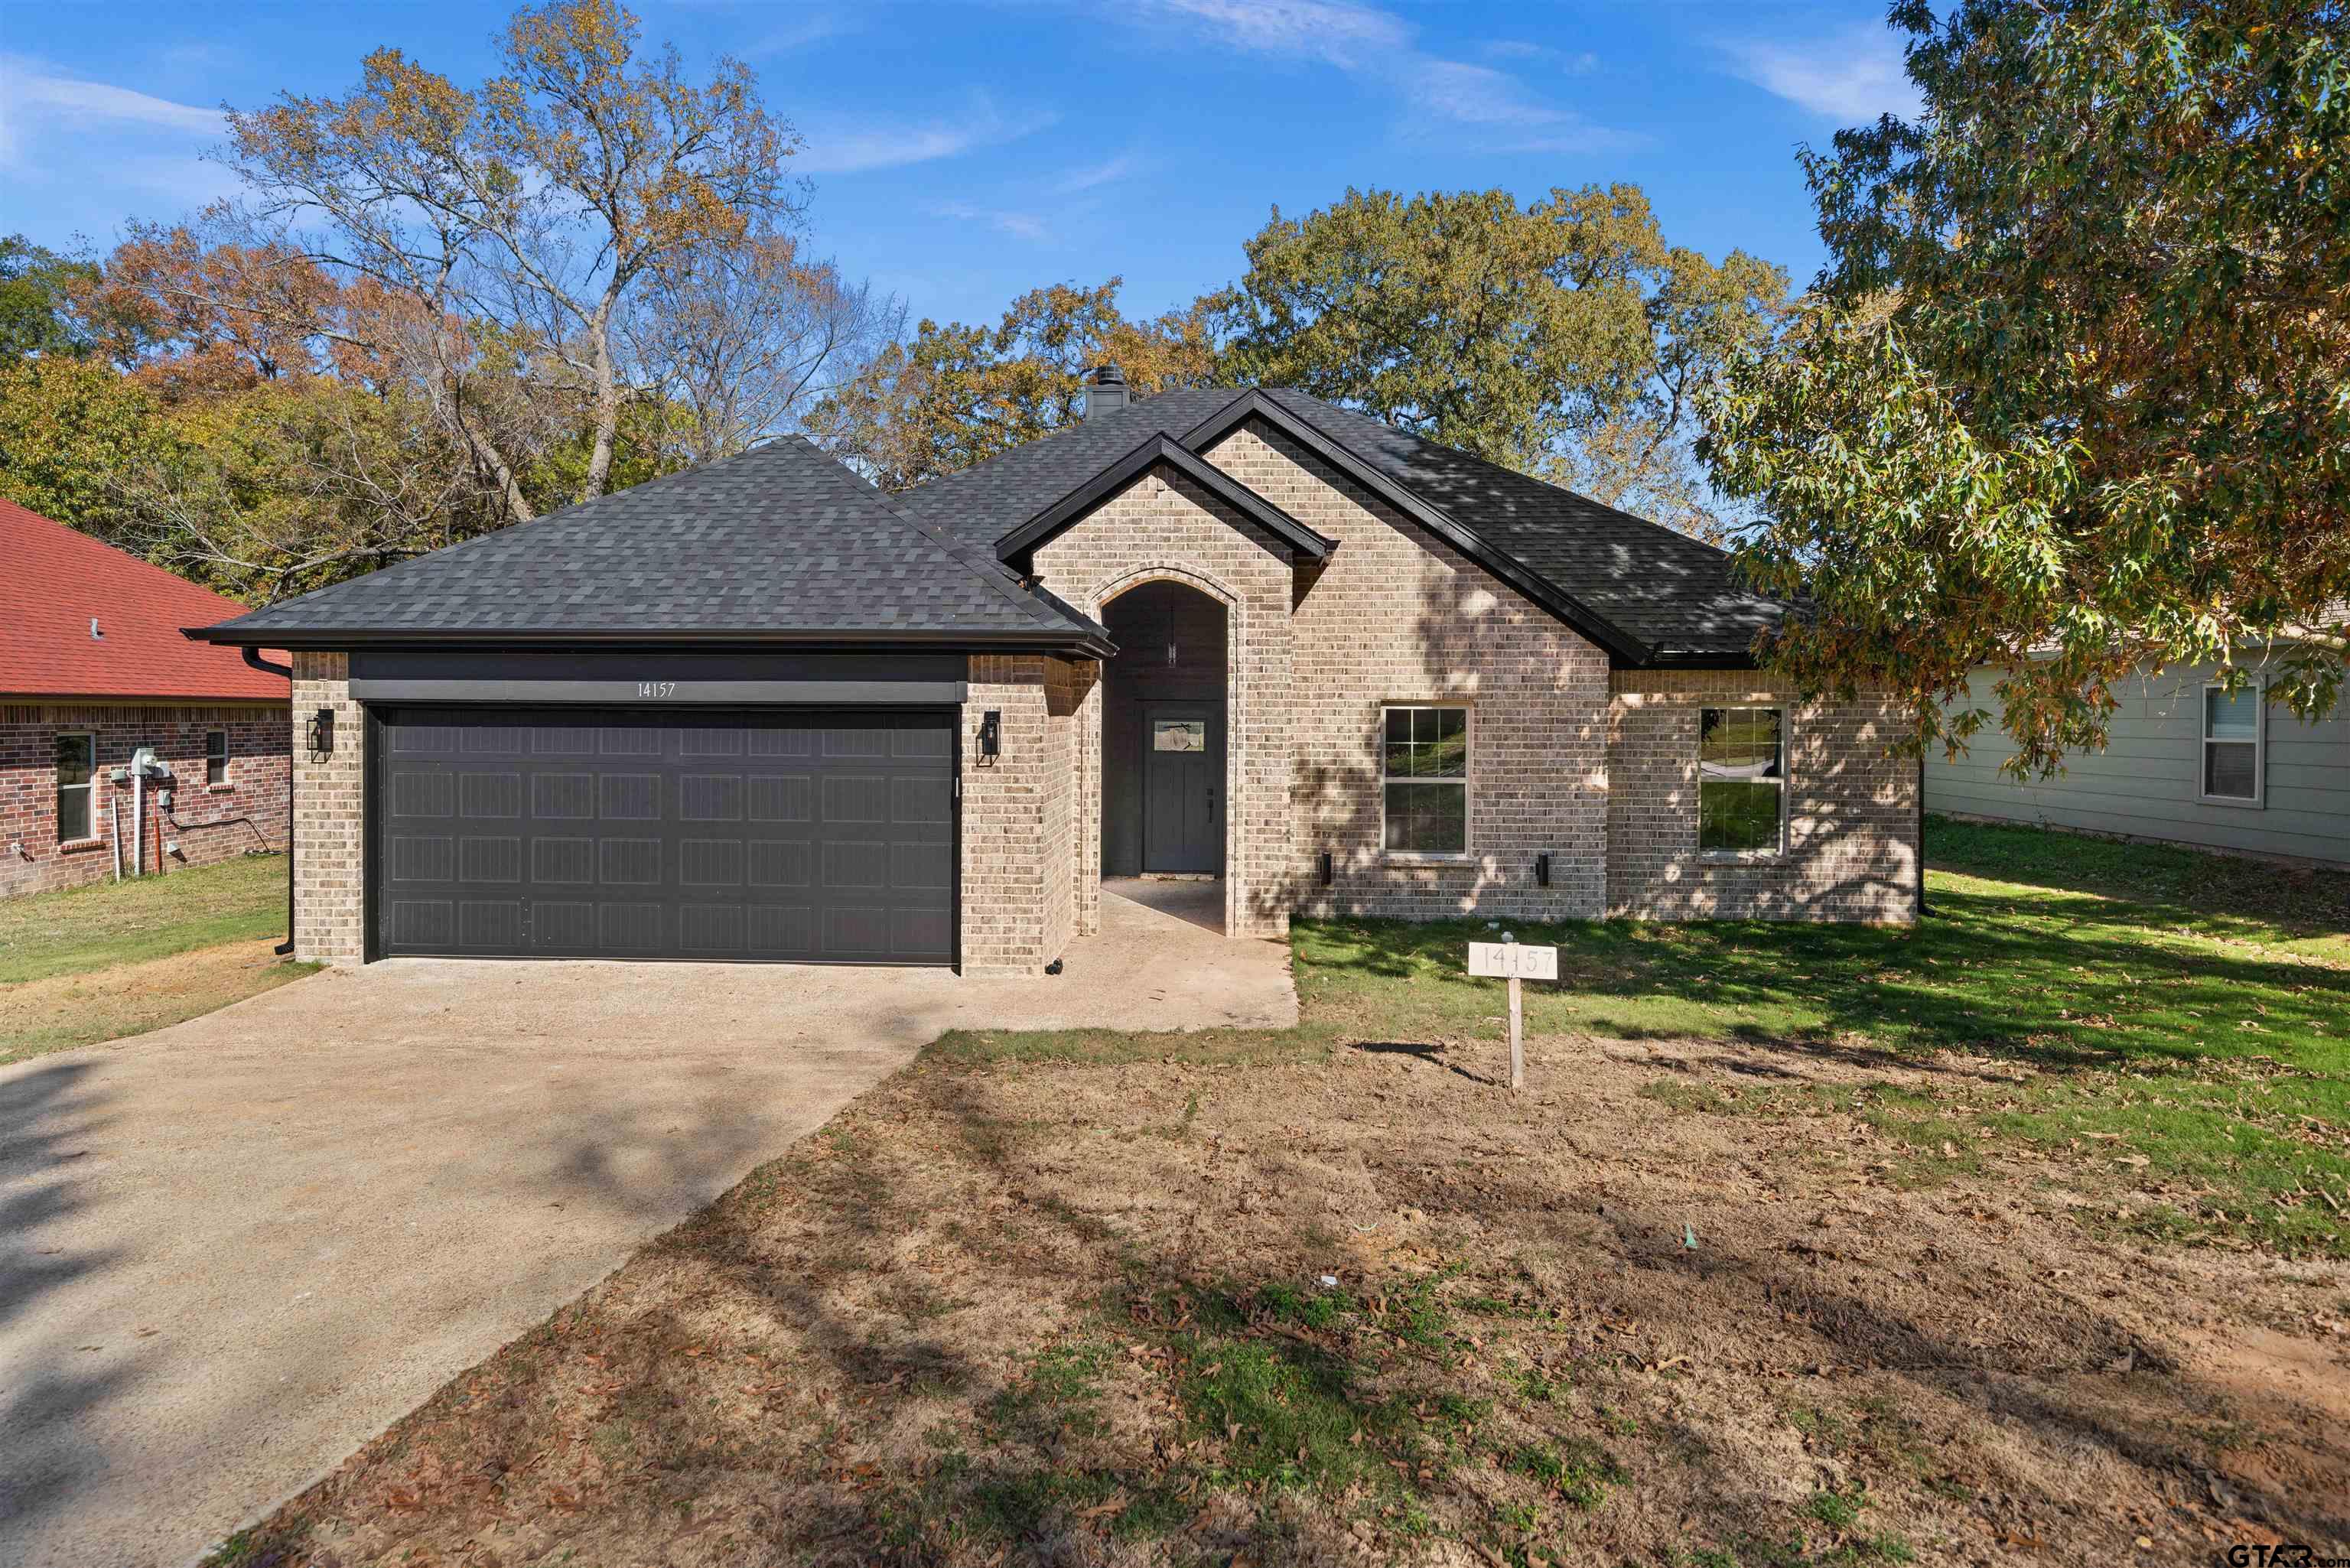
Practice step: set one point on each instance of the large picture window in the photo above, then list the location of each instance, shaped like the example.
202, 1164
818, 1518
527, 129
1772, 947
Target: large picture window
1425, 787
1741, 781
77, 766
2231, 745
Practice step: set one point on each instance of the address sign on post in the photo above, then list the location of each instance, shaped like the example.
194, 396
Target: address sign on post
1511, 960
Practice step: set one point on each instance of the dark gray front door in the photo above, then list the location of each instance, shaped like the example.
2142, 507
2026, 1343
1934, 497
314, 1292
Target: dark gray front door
810, 837
1182, 787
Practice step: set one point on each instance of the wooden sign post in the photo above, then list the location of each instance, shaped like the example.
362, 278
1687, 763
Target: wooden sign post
1512, 961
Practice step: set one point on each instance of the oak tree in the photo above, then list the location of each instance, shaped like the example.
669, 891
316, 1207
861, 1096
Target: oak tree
2071, 400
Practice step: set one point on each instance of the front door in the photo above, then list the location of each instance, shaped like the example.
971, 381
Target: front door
1182, 788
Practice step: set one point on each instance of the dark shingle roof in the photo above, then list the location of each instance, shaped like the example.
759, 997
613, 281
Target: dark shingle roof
781, 541
1672, 594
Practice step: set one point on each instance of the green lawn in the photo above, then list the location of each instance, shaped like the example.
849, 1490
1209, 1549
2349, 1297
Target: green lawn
2174, 1008
113, 960
110, 923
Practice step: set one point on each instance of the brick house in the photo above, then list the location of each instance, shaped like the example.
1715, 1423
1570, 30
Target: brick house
758, 709
94, 669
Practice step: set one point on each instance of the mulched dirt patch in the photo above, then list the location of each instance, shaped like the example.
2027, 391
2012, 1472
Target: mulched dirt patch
1018, 1313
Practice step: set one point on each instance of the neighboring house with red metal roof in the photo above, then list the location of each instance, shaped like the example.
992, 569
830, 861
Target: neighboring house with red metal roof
94, 670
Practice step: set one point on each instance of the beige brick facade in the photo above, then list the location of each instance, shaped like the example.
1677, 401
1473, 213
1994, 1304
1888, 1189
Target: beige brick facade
1851, 846
330, 817
1597, 771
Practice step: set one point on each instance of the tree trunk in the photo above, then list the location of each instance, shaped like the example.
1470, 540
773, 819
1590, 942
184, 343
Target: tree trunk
607, 402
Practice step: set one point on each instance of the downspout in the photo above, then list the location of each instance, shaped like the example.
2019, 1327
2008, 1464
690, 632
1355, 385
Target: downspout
1921, 835
253, 656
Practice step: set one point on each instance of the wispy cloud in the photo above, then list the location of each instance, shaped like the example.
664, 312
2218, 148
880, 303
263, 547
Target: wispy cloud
1097, 174
1379, 45
36, 102
1850, 76
801, 32
1020, 225
852, 147
1573, 62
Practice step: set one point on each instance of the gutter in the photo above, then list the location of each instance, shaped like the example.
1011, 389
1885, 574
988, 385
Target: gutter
253, 656
1089, 643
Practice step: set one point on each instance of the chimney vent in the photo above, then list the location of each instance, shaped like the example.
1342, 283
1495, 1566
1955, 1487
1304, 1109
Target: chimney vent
1105, 390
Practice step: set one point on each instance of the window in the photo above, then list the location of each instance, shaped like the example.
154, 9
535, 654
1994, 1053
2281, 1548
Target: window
77, 766
216, 756
1740, 778
2231, 744
1425, 784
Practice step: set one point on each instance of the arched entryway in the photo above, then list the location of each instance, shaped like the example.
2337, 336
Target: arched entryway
1165, 740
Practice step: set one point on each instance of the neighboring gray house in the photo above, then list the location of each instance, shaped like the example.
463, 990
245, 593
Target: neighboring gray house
759, 710
2187, 762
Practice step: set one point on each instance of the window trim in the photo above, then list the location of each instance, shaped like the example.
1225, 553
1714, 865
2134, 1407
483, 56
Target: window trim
1778, 850
57, 787
222, 782
1467, 781
2258, 800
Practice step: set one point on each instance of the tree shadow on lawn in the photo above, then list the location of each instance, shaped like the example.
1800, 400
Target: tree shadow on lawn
1974, 977
787, 1374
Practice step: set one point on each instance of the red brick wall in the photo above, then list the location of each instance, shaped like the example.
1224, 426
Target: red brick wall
207, 822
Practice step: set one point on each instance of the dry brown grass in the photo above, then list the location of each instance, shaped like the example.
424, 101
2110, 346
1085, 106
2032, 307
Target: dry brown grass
1070, 1313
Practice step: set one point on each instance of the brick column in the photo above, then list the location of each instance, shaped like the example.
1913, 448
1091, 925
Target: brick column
1019, 816
330, 817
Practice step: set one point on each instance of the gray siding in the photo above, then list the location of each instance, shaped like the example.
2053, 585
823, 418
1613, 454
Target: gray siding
2146, 783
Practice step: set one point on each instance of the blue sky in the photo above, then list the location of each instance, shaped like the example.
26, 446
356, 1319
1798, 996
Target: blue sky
963, 152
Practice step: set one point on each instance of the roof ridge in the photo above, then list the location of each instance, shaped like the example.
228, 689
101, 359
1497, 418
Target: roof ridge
991, 573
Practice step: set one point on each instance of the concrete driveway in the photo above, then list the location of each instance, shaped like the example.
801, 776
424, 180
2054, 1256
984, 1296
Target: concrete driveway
232, 1250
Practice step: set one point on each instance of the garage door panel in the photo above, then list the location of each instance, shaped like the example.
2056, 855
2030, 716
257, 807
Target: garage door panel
496, 925
490, 860
785, 836
710, 862
710, 797
563, 797
428, 923
782, 797
710, 928
781, 862
560, 862
562, 927
857, 931
629, 862
417, 794
633, 928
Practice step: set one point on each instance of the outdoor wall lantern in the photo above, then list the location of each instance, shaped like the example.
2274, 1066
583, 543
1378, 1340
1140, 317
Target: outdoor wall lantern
991, 733
322, 732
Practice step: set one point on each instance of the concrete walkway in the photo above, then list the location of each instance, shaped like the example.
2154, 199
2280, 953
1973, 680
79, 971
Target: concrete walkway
232, 1250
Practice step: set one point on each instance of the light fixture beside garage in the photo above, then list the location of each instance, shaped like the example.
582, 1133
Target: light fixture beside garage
320, 733
990, 733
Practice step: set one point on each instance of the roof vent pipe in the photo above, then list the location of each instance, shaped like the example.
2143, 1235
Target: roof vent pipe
1105, 390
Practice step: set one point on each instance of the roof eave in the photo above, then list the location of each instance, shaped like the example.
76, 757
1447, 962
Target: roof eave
1300, 542
1091, 641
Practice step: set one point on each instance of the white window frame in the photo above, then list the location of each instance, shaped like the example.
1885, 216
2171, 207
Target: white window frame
2258, 799
57, 787
1697, 827
222, 782
1467, 781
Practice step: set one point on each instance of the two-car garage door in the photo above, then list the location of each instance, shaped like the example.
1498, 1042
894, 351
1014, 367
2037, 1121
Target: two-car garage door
808, 837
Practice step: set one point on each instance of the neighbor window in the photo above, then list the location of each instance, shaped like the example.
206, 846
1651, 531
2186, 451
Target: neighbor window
1425, 783
216, 756
2231, 743
77, 764
1741, 773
